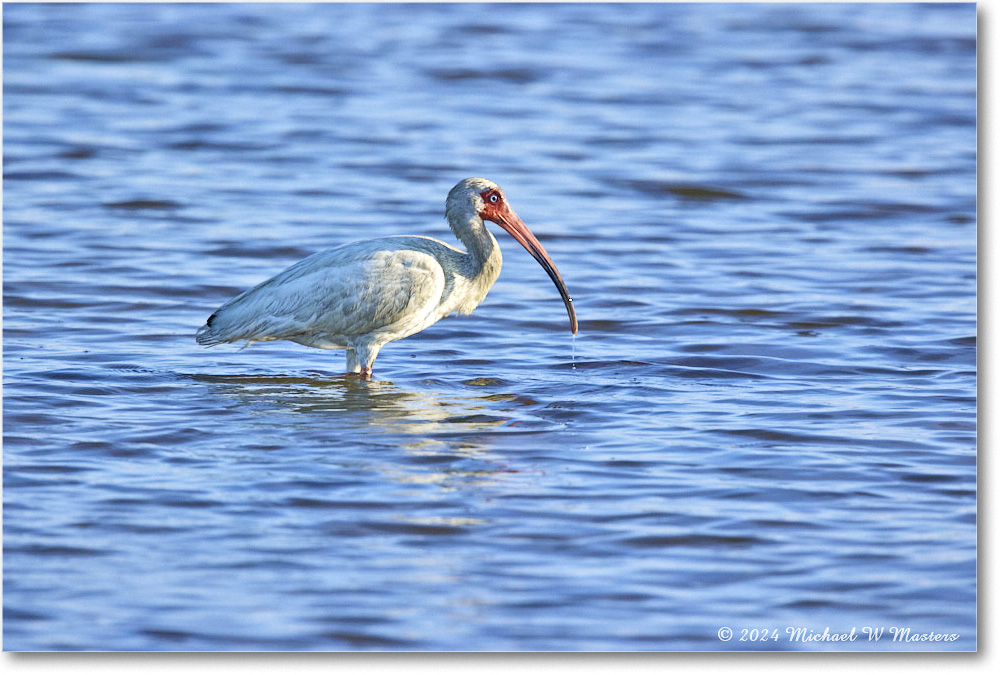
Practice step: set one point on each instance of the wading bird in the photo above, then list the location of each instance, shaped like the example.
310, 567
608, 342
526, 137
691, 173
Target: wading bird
359, 296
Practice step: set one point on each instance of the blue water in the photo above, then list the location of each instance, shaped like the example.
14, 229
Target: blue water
765, 214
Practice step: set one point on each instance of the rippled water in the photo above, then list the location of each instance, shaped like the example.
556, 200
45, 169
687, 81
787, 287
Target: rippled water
765, 213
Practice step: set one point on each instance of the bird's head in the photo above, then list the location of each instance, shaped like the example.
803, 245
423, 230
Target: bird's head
474, 197
478, 199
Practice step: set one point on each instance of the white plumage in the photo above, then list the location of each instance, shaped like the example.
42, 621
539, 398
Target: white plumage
362, 295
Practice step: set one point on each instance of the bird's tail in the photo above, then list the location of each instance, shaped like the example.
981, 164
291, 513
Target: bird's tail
207, 336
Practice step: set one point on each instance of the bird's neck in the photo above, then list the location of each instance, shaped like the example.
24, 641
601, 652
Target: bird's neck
483, 260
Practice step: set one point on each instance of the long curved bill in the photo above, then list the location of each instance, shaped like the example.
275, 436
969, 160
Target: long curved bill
514, 226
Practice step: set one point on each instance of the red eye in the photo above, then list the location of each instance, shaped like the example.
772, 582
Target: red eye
491, 197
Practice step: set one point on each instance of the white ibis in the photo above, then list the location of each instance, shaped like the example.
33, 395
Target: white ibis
359, 296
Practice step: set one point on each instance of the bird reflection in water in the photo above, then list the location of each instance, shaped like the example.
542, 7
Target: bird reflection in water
440, 434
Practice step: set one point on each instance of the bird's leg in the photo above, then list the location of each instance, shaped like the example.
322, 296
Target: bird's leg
360, 358
352, 361
354, 367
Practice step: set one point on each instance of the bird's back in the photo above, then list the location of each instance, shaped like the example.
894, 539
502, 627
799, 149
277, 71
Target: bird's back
381, 288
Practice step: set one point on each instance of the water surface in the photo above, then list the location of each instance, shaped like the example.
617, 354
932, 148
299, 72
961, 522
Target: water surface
766, 216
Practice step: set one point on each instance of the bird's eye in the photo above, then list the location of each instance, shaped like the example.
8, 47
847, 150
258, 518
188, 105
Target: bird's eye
493, 198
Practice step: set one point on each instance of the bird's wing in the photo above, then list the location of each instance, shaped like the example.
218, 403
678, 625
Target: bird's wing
334, 295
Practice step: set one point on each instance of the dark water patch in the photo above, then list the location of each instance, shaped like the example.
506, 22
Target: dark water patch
25, 441
107, 56
697, 193
414, 529
167, 635
318, 380
969, 341
905, 372
275, 564
930, 478
150, 529
484, 29
863, 212
893, 250
15, 614
143, 204
353, 619
367, 640
780, 525
34, 418
312, 90
433, 460
601, 365
477, 419
910, 356
44, 468
509, 75
702, 348
485, 382
740, 313
844, 321
191, 503
308, 485
200, 144
79, 153
78, 376
30, 299
713, 374
919, 45
790, 438
696, 541
597, 326
54, 551
200, 127
247, 642
313, 503
742, 364
618, 141
808, 141
172, 437
683, 190
815, 604
258, 251
39, 175
513, 398
627, 463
